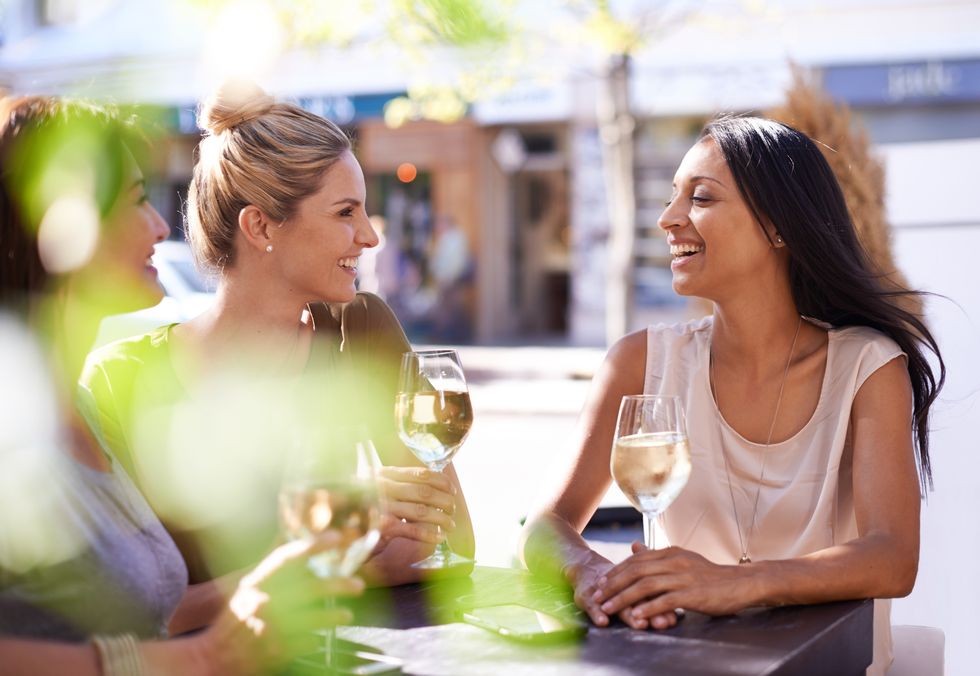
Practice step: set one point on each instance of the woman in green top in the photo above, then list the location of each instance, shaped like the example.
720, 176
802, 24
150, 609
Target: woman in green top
90, 582
201, 412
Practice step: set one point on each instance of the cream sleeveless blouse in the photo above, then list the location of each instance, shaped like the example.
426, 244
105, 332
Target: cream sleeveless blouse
806, 500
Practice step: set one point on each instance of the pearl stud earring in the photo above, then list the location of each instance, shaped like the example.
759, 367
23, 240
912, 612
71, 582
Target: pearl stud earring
268, 249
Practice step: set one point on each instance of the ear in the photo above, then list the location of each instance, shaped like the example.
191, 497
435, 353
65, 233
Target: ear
255, 227
776, 240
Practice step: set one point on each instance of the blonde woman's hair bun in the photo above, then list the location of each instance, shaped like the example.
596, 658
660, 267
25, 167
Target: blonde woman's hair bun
234, 103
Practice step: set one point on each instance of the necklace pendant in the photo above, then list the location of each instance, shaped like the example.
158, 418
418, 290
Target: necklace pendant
745, 559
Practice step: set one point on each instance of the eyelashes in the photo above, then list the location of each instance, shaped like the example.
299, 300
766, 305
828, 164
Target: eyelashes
697, 199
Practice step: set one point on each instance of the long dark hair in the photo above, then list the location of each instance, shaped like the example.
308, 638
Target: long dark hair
786, 181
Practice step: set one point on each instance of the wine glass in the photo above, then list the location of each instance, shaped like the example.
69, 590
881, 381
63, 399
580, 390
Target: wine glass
651, 460
434, 416
332, 487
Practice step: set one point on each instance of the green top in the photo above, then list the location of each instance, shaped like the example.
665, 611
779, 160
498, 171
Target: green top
208, 455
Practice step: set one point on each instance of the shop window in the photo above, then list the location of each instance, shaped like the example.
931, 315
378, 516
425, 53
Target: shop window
57, 12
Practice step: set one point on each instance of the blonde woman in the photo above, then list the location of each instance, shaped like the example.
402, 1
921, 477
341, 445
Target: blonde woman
277, 211
90, 582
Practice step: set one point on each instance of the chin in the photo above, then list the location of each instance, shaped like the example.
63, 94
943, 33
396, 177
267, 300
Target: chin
682, 289
339, 295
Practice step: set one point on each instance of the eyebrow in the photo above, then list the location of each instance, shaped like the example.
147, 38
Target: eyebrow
700, 177
138, 183
707, 178
347, 200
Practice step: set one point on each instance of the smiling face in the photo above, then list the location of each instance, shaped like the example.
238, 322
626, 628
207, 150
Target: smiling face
121, 265
717, 245
317, 249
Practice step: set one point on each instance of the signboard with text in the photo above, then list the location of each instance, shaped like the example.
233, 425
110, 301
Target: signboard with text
905, 83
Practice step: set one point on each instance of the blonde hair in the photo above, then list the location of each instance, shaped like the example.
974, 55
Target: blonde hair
255, 151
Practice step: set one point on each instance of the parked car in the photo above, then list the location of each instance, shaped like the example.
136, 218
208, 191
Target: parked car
188, 294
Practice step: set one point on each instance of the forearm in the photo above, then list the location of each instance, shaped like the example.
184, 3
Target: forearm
873, 566
41, 658
187, 656
202, 603
550, 547
28, 657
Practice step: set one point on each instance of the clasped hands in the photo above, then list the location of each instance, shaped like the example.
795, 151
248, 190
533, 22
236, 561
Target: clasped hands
645, 589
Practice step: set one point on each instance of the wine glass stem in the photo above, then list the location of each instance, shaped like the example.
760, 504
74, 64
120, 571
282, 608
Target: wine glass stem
442, 550
328, 638
648, 529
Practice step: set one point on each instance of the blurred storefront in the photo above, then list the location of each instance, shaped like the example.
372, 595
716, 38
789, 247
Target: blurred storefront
495, 226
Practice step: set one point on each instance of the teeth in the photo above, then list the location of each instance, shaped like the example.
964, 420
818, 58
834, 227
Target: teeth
350, 262
681, 249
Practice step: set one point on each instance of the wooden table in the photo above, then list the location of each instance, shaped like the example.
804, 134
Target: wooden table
419, 624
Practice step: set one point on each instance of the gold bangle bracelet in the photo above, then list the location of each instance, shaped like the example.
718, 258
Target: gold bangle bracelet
119, 655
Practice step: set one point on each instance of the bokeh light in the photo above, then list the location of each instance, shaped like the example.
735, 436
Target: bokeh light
245, 41
406, 172
68, 234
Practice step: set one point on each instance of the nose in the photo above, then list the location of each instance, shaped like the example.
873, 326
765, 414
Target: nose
366, 235
161, 229
673, 216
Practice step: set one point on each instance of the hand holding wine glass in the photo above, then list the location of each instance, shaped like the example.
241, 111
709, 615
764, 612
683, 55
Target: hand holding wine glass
434, 416
650, 460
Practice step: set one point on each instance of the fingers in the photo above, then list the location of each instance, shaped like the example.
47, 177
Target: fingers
393, 527
583, 599
418, 485
419, 475
641, 557
288, 555
417, 512
645, 563
641, 590
660, 612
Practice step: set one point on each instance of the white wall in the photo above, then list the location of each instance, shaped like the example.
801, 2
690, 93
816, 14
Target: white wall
932, 198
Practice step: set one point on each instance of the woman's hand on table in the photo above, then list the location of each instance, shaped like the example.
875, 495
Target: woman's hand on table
651, 584
418, 504
271, 617
584, 579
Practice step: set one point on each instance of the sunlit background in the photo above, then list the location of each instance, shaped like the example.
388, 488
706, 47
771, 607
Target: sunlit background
517, 154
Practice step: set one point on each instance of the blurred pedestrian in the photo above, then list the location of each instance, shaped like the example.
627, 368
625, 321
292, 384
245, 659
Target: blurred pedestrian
450, 269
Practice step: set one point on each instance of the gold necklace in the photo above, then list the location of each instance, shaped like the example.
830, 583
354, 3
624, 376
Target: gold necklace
744, 546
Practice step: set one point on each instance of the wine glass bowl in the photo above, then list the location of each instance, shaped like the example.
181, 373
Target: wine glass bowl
434, 416
349, 510
650, 459
332, 488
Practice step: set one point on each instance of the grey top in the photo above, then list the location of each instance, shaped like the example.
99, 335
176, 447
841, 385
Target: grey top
102, 562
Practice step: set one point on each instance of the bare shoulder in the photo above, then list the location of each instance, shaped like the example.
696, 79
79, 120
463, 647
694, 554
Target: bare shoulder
624, 366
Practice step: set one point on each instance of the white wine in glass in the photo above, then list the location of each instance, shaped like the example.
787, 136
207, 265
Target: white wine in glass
333, 490
434, 416
650, 460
